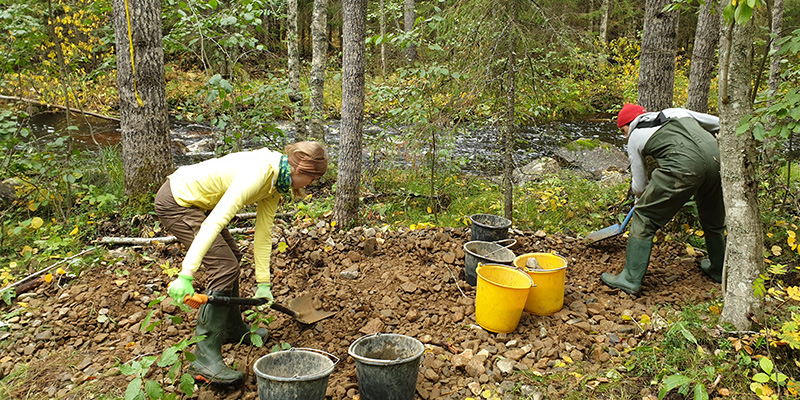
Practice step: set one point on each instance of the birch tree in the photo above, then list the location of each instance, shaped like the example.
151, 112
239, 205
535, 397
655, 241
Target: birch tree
293, 63
744, 258
319, 37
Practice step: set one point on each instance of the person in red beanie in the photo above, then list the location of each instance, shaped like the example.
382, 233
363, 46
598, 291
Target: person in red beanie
687, 155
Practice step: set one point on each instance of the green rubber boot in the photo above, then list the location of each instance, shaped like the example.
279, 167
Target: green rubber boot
211, 321
712, 265
236, 329
637, 256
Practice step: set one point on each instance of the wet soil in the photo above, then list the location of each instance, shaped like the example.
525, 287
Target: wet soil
68, 337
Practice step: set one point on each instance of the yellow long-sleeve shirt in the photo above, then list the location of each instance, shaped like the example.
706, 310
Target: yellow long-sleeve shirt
224, 185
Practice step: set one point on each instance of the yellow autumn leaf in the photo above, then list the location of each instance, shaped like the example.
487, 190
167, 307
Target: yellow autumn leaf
429, 210
715, 310
23, 304
120, 282
568, 359
690, 250
699, 233
412, 227
791, 234
36, 223
129, 345
486, 394
793, 292
308, 197
724, 392
60, 271
333, 224
32, 205
48, 278
626, 317
282, 246
26, 249
776, 250
74, 231
12, 265
770, 235
644, 319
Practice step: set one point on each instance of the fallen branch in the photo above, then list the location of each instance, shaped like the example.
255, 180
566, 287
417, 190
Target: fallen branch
165, 239
35, 274
60, 107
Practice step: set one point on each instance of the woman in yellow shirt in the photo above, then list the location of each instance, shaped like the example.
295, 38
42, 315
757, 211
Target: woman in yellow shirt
197, 202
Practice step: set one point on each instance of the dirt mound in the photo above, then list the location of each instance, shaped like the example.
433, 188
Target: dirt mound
74, 334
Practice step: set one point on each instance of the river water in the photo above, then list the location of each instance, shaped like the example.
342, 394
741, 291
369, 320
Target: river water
475, 150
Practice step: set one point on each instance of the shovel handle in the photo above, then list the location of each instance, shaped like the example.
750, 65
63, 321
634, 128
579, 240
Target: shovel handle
195, 300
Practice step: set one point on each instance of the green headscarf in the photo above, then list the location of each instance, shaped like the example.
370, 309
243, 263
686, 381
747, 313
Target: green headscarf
284, 181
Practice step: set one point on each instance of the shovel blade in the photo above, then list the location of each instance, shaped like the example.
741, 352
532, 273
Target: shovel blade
307, 314
605, 233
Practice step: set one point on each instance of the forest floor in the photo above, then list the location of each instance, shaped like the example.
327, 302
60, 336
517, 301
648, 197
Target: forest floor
411, 284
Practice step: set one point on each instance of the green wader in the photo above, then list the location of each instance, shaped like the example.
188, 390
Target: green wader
688, 165
211, 322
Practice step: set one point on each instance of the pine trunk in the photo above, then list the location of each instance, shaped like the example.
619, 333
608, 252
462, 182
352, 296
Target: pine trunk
319, 35
348, 184
744, 259
703, 56
657, 65
146, 147
293, 55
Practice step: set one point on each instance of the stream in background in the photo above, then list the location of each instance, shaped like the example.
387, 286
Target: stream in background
477, 150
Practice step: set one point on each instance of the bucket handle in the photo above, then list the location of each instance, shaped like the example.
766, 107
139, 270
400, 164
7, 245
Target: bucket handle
533, 284
325, 353
497, 242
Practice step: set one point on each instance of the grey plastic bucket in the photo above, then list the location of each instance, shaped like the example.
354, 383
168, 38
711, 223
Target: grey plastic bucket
294, 374
478, 252
387, 365
488, 227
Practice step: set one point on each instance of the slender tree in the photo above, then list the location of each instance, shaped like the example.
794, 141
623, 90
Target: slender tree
409, 16
703, 56
510, 116
146, 148
319, 37
657, 61
382, 27
744, 259
774, 80
348, 184
605, 10
293, 55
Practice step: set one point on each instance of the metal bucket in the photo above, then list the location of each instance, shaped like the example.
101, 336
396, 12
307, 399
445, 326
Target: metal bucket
478, 252
488, 227
387, 365
297, 373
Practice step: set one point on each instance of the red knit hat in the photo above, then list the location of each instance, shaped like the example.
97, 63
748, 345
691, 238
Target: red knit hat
628, 113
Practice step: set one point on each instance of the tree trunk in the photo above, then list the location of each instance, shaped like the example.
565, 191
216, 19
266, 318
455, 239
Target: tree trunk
509, 131
293, 55
409, 16
657, 70
703, 56
348, 184
771, 143
382, 23
744, 259
146, 147
319, 36
605, 11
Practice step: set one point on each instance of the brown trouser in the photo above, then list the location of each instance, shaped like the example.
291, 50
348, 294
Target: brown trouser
221, 260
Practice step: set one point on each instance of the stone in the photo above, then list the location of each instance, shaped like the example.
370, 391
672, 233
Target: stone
506, 366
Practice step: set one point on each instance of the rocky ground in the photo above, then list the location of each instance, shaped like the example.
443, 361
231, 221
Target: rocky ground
67, 338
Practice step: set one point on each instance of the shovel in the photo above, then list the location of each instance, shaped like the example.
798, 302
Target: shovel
300, 308
609, 232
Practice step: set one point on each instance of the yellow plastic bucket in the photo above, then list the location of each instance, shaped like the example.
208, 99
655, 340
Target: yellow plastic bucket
502, 291
547, 297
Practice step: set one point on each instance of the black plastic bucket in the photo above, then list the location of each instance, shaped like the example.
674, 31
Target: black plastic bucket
488, 227
387, 365
297, 373
479, 252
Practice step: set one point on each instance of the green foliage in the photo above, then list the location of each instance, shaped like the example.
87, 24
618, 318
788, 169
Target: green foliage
172, 359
